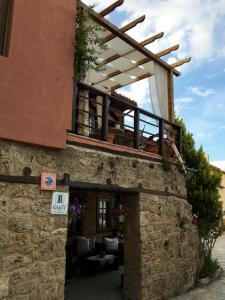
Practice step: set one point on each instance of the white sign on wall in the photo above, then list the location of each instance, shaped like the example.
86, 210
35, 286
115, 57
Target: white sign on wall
59, 203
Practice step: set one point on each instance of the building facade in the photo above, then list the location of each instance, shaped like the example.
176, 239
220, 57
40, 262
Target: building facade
222, 192
161, 247
222, 186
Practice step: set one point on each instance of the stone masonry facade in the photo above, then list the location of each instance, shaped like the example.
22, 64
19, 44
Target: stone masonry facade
169, 247
161, 244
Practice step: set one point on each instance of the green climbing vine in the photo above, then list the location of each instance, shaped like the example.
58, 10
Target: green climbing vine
87, 44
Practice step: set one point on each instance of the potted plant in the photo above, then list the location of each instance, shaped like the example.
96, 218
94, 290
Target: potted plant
111, 137
151, 146
129, 138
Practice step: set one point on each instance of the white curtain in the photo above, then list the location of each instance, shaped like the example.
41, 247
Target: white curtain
158, 86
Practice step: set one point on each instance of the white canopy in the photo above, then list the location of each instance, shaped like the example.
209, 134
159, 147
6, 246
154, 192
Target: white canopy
126, 61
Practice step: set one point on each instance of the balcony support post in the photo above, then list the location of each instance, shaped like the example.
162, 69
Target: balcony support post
105, 118
136, 128
161, 137
99, 100
86, 129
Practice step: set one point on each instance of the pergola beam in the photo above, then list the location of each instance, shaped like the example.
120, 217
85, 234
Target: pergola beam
124, 28
142, 44
130, 41
111, 8
139, 63
132, 81
180, 62
168, 50
151, 39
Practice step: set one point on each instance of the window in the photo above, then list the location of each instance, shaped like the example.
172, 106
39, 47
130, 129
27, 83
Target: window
5, 24
92, 124
104, 214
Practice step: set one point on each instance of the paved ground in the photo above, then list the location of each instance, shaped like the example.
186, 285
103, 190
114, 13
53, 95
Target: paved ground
216, 290
103, 286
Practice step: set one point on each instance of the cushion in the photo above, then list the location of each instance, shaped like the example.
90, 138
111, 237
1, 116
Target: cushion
111, 243
83, 245
92, 243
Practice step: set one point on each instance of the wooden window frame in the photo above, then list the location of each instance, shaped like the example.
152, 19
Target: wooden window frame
105, 210
6, 30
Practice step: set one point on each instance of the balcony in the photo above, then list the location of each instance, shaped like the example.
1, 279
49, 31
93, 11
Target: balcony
117, 120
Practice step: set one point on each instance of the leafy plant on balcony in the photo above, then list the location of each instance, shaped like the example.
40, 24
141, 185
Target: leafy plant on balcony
87, 44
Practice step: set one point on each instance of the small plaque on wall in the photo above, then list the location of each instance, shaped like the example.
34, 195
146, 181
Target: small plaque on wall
48, 181
59, 203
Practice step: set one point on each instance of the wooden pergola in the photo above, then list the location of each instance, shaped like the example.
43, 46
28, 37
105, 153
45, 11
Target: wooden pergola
126, 60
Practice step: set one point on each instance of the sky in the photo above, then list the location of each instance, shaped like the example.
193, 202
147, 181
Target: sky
198, 26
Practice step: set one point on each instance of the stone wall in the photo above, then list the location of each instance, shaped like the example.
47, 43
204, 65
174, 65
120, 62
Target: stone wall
32, 243
132, 250
169, 247
161, 246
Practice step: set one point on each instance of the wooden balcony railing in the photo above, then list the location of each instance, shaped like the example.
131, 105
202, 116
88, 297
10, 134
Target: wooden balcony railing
109, 118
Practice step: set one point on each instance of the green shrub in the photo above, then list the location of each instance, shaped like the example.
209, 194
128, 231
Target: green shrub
209, 268
202, 191
166, 165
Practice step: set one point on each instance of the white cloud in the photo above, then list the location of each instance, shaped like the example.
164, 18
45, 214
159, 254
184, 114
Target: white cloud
181, 104
213, 75
203, 135
219, 164
100, 4
204, 130
220, 106
138, 91
200, 91
194, 24
185, 100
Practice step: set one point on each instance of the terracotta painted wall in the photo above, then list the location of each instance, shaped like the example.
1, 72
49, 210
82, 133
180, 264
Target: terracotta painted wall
36, 78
